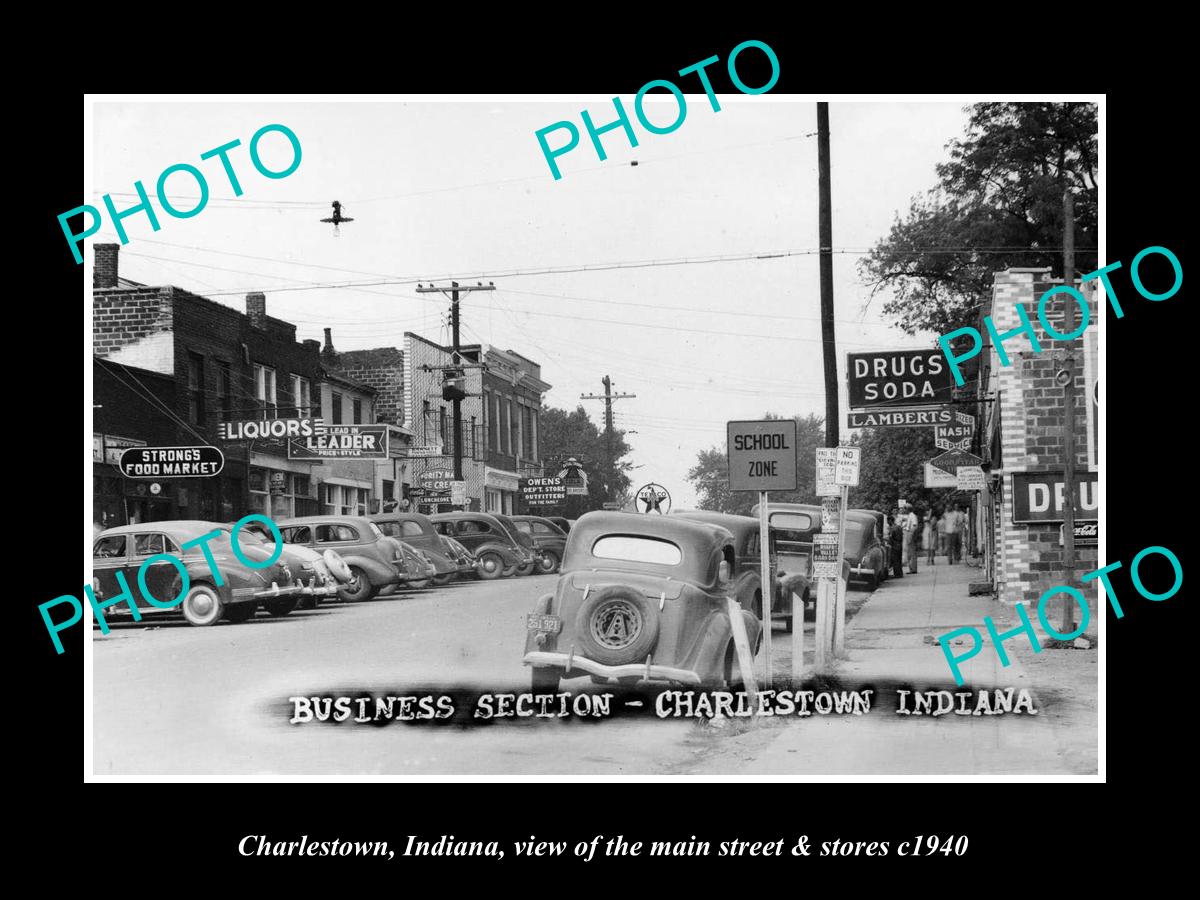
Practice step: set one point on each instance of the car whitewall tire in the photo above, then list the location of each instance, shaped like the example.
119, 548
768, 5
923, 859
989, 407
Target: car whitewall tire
202, 606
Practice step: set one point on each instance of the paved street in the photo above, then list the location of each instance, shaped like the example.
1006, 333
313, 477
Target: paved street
177, 700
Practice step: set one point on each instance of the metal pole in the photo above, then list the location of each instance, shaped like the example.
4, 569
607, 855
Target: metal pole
1068, 614
768, 594
825, 224
839, 623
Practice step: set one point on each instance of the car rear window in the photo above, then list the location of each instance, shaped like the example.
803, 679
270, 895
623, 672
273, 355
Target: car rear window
637, 549
412, 529
792, 521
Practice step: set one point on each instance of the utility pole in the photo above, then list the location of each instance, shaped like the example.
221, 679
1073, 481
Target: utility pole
608, 397
825, 238
1067, 376
456, 359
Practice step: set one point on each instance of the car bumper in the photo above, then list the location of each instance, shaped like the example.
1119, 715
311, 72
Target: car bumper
580, 665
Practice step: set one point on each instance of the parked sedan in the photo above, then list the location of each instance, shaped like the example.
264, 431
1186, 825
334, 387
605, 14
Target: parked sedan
881, 524
530, 561
125, 548
418, 532
318, 576
495, 547
548, 541
463, 559
375, 560
864, 548
642, 597
563, 523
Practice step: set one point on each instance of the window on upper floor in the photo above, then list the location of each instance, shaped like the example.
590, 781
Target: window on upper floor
264, 389
195, 376
335, 408
302, 392
358, 411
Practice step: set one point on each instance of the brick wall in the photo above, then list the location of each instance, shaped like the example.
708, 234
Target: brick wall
134, 327
1032, 414
383, 370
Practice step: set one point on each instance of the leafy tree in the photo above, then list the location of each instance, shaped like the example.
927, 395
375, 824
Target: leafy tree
566, 434
893, 468
710, 475
997, 204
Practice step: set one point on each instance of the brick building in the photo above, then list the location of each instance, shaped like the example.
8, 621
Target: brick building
225, 365
368, 386
1023, 433
512, 404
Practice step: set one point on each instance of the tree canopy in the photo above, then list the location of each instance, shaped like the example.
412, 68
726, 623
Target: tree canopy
566, 434
998, 204
893, 468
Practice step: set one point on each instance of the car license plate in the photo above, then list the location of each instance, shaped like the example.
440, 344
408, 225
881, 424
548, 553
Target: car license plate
551, 624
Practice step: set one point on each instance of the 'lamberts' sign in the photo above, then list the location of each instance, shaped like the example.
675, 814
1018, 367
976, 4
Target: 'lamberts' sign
899, 418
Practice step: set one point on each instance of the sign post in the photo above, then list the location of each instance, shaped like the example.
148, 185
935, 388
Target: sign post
762, 458
848, 465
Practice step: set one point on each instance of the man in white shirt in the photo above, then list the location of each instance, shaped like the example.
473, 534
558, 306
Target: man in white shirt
908, 521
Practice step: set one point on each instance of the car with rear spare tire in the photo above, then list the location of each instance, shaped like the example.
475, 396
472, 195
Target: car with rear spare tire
642, 598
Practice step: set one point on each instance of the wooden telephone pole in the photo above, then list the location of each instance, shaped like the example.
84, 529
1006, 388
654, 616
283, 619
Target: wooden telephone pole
608, 397
456, 358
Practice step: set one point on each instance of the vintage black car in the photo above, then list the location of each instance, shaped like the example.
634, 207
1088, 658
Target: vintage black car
642, 598
319, 576
562, 522
418, 532
548, 540
881, 524
496, 547
125, 548
864, 548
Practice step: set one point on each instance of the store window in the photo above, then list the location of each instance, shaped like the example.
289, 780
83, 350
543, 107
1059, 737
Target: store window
259, 498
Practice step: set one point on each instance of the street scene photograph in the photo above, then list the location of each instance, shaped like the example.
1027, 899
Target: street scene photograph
703, 433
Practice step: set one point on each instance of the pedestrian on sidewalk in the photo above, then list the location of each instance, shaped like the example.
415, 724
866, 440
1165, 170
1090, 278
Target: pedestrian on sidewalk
908, 520
896, 539
929, 537
950, 525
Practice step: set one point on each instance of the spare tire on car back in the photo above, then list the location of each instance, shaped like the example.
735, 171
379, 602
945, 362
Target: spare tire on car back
616, 626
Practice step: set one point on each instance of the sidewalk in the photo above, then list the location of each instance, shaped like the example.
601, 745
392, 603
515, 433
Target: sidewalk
886, 649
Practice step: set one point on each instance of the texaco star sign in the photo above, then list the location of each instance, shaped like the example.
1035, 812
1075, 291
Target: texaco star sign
653, 498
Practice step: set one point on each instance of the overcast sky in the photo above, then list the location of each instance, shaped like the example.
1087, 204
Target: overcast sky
461, 188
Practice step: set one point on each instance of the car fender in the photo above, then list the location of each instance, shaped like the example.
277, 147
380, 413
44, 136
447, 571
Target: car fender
379, 573
440, 562
507, 552
541, 608
718, 633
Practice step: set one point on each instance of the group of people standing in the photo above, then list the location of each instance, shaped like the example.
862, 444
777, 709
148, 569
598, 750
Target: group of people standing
936, 531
